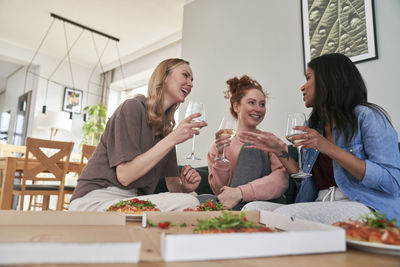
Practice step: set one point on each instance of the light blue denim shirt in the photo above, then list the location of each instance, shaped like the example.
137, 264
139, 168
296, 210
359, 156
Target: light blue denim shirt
376, 142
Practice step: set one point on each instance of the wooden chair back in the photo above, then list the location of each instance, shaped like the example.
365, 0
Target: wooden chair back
9, 150
47, 160
87, 152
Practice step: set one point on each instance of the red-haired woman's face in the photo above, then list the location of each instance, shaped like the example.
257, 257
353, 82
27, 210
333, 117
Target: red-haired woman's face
308, 88
251, 109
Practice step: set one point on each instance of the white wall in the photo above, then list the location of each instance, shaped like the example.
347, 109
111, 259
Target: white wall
133, 69
44, 66
262, 38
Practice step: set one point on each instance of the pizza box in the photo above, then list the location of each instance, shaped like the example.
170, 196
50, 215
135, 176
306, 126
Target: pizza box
14, 217
41, 237
298, 237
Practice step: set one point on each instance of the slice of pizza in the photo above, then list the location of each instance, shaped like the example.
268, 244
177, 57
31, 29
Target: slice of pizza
133, 206
372, 228
229, 223
208, 205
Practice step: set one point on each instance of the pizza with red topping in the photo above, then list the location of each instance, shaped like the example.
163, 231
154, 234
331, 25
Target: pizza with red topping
133, 206
375, 228
208, 205
229, 223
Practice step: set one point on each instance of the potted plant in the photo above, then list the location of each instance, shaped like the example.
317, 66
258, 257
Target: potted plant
95, 124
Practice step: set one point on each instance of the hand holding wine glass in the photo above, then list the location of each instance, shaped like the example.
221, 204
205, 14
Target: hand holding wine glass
227, 129
192, 108
296, 119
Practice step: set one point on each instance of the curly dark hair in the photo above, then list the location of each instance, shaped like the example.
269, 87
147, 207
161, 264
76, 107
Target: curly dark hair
237, 89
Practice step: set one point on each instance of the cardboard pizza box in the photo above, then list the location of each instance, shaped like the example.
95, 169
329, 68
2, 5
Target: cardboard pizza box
14, 217
298, 237
65, 237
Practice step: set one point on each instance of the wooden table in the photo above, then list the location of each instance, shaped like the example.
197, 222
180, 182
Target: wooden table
8, 167
82, 230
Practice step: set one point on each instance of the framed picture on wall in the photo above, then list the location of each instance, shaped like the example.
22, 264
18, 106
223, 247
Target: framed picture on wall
345, 27
72, 100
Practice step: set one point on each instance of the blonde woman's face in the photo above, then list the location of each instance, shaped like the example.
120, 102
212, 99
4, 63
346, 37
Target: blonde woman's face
179, 83
251, 109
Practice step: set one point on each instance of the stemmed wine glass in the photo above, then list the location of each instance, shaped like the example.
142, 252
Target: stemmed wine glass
228, 125
296, 119
192, 108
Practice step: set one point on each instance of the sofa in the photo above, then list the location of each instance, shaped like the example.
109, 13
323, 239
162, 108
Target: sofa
204, 186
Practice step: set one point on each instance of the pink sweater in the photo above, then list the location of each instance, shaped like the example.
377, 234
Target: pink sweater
264, 188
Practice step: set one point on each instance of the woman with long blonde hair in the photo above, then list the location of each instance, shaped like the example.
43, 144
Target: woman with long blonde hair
137, 148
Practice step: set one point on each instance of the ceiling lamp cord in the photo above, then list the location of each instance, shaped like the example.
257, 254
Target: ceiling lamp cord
69, 62
98, 59
69, 58
97, 63
58, 65
36, 52
120, 66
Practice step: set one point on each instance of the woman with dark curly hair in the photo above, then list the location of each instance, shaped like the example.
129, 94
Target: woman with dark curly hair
248, 174
350, 147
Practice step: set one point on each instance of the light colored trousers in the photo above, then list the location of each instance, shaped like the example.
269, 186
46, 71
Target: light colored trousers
331, 205
102, 199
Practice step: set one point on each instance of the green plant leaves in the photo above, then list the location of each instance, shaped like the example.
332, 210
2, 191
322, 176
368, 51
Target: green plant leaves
95, 124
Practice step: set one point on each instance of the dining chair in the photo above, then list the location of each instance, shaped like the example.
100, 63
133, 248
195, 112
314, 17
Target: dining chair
46, 161
86, 154
9, 150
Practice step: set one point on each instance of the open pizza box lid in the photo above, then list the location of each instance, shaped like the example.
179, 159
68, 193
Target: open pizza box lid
56, 237
299, 237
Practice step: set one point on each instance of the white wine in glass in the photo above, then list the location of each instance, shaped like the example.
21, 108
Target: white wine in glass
288, 137
296, 119
229, 132
192, 108
228, 126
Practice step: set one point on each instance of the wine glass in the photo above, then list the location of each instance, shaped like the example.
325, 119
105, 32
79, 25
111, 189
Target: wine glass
192, 108
296, 119
228, 127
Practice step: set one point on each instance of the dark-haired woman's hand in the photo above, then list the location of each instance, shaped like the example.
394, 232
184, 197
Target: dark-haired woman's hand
186, 129
312, 139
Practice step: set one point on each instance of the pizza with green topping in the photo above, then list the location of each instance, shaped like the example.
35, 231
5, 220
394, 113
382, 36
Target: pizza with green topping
133, 206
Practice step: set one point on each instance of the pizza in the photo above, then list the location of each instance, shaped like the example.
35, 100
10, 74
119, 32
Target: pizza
208, 205
375, 228
133, 206
229, 223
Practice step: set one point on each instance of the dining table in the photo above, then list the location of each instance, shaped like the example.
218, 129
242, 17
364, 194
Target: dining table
94, 228
8, 167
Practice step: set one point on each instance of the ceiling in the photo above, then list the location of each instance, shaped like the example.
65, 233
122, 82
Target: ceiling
137, 23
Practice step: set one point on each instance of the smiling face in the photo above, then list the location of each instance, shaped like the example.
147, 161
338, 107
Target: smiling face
178, 84
250, 110
308, 88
